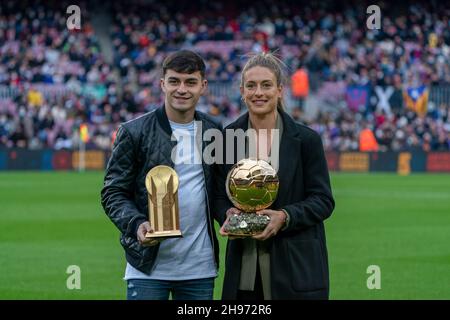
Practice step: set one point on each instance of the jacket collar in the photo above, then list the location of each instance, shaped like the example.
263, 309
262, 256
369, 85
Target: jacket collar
161, 115
289, 125
290, 156
164, 123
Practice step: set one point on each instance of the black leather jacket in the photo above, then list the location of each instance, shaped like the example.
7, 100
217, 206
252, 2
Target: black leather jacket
141, 144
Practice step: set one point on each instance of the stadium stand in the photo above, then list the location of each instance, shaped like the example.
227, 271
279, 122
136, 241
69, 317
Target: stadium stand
393, 82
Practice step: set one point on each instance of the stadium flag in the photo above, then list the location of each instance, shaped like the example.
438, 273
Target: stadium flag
84, 137
416, 99
84, 133
357, 97
383, 95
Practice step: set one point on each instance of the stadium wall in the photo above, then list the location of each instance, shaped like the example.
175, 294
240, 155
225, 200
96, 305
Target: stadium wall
400, 162
48, 160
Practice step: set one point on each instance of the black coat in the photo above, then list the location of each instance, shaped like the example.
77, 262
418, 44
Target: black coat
140, 145
298, 255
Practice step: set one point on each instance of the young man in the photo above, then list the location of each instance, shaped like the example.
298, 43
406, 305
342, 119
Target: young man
185, 267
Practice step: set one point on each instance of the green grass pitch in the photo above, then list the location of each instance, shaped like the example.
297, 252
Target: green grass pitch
49, 221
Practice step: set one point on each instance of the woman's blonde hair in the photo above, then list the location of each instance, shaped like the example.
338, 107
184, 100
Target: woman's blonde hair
270, 61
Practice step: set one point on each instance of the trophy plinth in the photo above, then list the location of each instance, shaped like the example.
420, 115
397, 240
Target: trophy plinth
251, 185
246, 225
162, 188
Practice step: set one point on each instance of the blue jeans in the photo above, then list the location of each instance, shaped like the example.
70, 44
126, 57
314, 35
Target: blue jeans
148, 289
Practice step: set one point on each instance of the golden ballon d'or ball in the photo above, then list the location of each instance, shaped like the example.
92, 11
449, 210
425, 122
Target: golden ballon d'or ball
251, 185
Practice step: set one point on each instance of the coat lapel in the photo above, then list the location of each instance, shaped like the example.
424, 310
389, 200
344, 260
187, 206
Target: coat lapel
289, 157
289, 153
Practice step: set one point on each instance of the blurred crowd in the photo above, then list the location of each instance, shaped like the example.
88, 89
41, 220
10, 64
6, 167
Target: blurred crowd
55, 79
401, 131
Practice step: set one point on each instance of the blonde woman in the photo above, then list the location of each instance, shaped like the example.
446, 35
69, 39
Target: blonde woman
288, 260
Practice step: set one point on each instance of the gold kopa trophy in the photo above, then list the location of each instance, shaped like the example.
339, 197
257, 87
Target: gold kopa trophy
162, 188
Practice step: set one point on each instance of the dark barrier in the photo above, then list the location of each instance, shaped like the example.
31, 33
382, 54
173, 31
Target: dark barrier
22, 159
384, 161
47, 156
47, 159
419, 161
400, 162
62, 160
438, 162
333, 161
56, 160
3, 157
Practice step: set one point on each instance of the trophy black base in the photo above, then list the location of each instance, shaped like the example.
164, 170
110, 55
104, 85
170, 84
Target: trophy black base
164, 234
246, 224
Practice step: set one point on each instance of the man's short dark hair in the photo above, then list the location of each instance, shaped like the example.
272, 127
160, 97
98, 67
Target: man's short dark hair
184, 61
